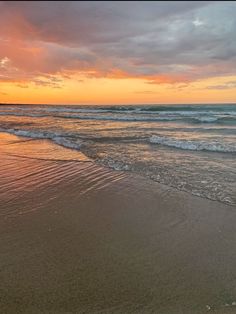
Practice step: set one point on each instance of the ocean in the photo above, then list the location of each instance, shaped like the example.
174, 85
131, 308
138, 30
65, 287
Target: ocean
188, 147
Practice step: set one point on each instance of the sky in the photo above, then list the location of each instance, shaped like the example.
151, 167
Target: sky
112, 52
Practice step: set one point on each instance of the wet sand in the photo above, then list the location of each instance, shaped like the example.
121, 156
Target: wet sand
79, 238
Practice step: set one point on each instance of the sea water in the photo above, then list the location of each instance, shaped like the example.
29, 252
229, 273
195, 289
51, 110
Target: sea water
188, 147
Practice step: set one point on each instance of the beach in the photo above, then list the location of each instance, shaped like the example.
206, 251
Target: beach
77, 237
117, 157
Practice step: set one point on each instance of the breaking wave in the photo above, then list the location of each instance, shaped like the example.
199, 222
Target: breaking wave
72, 141
55, 137
197, 145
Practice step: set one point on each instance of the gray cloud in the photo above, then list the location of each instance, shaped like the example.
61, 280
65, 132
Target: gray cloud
180, 41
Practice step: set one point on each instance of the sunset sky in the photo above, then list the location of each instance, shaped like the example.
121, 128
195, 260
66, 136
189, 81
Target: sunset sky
117, 52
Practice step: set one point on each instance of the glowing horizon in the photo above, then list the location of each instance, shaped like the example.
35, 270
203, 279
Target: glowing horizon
117, 52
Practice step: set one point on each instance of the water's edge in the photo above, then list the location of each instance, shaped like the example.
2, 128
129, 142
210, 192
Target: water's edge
91, 153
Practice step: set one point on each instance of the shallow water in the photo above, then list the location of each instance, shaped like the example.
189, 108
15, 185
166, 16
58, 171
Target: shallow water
76, 237
191, 148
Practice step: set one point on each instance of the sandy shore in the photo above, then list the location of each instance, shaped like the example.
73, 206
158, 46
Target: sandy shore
79, 238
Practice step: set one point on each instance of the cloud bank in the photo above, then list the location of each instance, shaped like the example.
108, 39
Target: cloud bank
159, 42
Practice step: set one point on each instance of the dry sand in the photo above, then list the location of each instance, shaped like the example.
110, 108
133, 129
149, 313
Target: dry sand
79, 238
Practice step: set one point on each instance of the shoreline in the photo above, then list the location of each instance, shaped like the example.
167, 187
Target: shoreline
91, 153
79, 238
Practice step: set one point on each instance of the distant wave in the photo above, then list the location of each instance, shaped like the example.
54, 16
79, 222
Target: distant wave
138, 117
118, 118
127, 114
215, 119
76, 110
82, 110
191, 108
207, 119
90, 117
212, 146
19, 114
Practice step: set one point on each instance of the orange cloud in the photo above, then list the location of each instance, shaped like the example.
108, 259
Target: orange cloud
46, 44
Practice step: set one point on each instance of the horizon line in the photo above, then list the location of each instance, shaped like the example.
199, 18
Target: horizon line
131, 104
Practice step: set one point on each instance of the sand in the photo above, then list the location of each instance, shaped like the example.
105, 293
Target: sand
79, 238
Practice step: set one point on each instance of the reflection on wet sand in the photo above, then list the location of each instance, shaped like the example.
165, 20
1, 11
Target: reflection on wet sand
79, 238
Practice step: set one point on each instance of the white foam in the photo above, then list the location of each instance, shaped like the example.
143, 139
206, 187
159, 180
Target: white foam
206, 119
67, 143
55, 137
26, 133
197, 145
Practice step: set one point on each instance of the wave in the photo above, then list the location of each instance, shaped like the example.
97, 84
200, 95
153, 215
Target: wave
137, 117
191, 108
18, 114
128, 114
76, 110
212, 146
70, 141
200, 119
55, 137
63, 141
32, 134
207, 119
215, 119
118, 118
88, 117
181, 111
91, 117
83, 110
